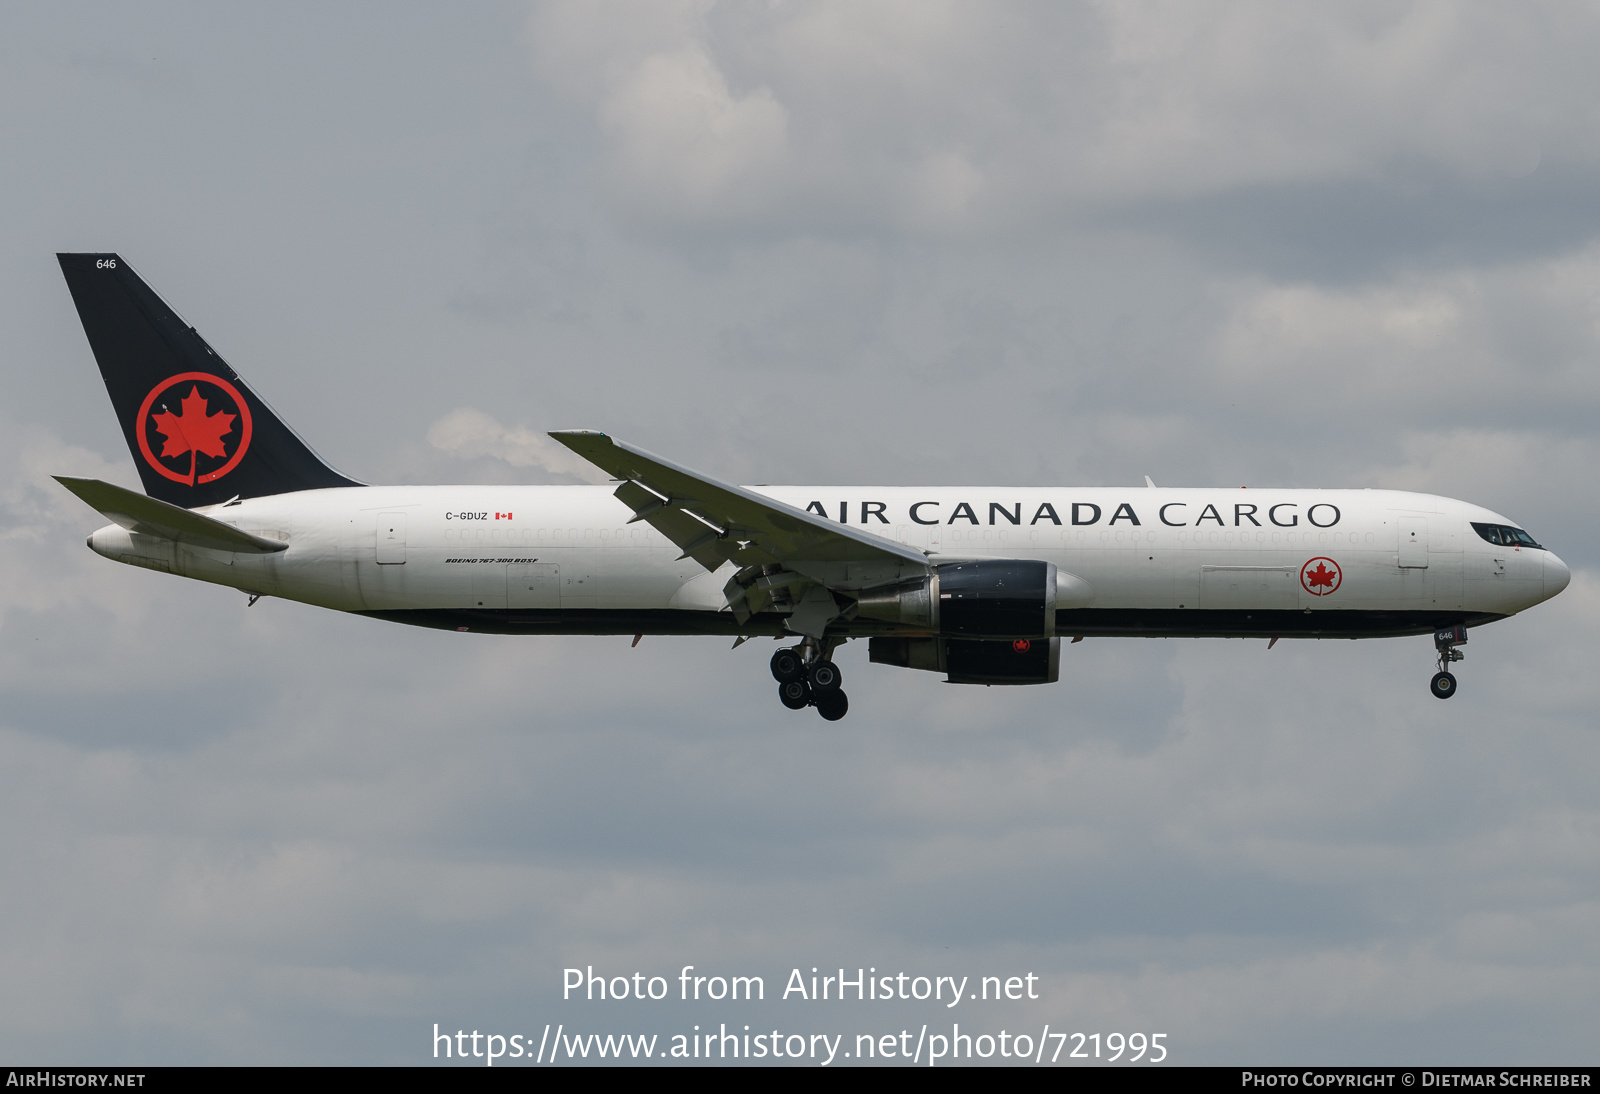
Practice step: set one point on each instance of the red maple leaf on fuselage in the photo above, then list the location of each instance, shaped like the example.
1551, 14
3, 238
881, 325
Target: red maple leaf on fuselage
1320, 576
193, 431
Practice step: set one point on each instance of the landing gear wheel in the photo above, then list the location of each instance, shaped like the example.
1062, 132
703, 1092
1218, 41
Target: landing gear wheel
832, 705
824, 676
1443, 685
787, 665
794, 694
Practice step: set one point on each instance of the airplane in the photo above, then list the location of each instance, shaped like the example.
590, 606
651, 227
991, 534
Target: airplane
980, 584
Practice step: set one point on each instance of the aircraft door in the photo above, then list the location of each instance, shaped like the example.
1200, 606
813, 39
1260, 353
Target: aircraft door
391, 538
534, 585
1413, 542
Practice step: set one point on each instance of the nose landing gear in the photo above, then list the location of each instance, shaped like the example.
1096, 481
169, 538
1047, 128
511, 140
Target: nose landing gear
1443, 684
807, 677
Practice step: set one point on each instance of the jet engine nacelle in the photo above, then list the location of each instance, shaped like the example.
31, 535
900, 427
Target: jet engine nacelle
974, 661
997, 598
987, 599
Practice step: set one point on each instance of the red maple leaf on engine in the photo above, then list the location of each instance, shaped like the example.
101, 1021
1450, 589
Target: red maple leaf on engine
1320, 576
194, 430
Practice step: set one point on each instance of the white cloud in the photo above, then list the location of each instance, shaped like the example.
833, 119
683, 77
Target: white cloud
1504, 340
681, 141
471, 434
681, 134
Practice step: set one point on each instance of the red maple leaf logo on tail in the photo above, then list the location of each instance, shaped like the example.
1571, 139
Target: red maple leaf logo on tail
194, 431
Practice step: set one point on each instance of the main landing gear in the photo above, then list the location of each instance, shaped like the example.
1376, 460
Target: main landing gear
1445, 641
807, 677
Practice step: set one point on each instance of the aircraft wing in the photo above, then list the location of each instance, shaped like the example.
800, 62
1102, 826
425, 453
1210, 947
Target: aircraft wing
713, 522
150, 517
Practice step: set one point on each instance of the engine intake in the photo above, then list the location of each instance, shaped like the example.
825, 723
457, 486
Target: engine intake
994, 598
1000, 598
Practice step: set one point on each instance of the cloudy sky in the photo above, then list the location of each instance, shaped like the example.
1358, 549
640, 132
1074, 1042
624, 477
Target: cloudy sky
897, 243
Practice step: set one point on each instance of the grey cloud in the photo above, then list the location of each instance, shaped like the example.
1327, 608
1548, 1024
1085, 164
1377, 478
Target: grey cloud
940, 117
1354, 230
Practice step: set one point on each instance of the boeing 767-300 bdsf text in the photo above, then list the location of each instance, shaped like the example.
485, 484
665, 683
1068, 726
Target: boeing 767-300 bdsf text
978, 584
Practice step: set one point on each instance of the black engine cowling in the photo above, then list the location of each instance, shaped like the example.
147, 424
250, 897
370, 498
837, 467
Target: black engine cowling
968, 661
993, 598
998, 598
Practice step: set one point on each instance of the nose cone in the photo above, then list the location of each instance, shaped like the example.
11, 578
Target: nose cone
1556, 574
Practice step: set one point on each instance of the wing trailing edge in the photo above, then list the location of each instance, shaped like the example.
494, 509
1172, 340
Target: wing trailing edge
785, 558
713, 521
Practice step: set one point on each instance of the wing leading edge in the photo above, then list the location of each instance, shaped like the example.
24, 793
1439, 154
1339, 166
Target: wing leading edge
785, 557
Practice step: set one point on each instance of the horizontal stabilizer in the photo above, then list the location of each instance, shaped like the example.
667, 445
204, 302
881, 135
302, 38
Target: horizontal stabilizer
150, 517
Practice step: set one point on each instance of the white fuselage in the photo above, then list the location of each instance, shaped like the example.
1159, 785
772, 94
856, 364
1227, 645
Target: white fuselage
552, 552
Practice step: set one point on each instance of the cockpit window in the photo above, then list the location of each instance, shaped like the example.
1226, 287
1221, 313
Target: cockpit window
1503, 535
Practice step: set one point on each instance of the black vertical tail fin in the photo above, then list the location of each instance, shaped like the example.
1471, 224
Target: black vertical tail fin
197, 433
